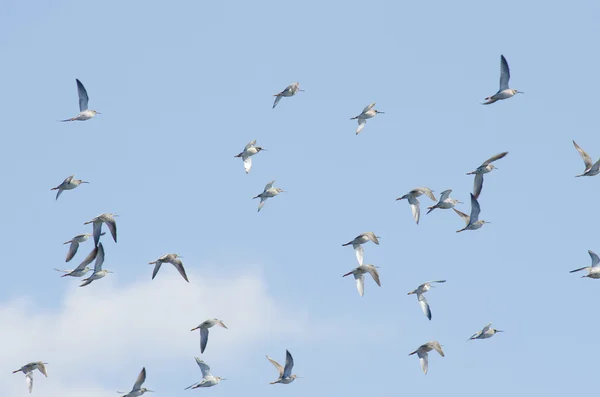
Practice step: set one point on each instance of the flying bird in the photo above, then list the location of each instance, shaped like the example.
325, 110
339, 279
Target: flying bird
249, 151
484, 168
594, 270
83, 268
203, 327
591, 169
423, 351
285, 373
473, 222
414, 203
367, 113
359, 241
28, 369
207, 379
98, 272
84, 112
359, 275
420, 291
68, 184
137, 389
504, 92
485, 333
172, 259
290, 90
445, 202
269, 192
107, 218
75, 241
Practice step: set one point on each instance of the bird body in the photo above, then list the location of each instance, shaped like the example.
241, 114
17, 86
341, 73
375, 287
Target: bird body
445, 202
172, 259
359, 273
484, 168
504, 92
473, 222
285, 373
420, 291
68, 184
289, 91
594, 270
422, 353
246, 154
359, 241
485, 333
207, 379
137, 390
367, 113
84, 112
414, 203
97, 222
268, 192
203, 327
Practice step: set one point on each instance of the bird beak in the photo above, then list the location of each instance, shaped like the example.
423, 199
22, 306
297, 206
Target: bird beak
264, 149
223, 378
460, 202
301, 90
151, 391
520, 92
98, 113
499, 330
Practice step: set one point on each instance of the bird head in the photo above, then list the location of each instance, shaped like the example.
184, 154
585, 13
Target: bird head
517, 92
258, 148
144, 390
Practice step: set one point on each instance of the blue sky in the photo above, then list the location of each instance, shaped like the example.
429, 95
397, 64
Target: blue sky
183, 86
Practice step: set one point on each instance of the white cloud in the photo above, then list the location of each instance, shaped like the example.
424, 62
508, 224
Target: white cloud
110, 329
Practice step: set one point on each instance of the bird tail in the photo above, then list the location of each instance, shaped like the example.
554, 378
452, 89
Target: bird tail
72, 119
239, 155
343, 245
15, 371
430, 209
347, 274
458, 231
55, 188
354, 118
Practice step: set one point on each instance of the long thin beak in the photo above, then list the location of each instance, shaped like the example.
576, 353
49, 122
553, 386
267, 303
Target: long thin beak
460, 202
98, 113
151, 391
520, 92
301, 90
84, 182
499, 330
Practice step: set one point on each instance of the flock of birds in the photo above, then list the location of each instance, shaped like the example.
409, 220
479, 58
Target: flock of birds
472, 222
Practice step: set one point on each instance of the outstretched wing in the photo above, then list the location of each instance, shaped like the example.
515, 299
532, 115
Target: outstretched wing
595, 259
277, 365
289, 364
424, 305
464, 216
368, 107
203, 367
88, 259
360, 283
374, 273
140, 379
423, 360
247, 164
504, 73
203, 339
361, 125
415, 207
358, 250
72, 248
494, 158
477, 185
83, 96
445, 195
587, 160
475, 210
99, 259
250, 144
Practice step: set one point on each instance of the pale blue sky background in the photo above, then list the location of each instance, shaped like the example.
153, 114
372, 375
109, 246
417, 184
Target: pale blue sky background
184, 85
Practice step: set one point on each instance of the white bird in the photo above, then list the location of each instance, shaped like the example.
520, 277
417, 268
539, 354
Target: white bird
420, 291
485, 333
28, 369
290, 90
591, 169
359, 275
84, 112
98, 272
269, 192
172, 259
484, 168
75, 241
137, 389
359, 241
285, 373
68, 184
473, 222
367, 113
594, 270
203, 327
424, 349
504, 92
107, 218
207, 379
414, 203
445, 202
249, 150
83, 268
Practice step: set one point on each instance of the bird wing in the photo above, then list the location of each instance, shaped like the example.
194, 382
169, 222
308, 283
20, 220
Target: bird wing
277, 99
368, 107
475, 210
179, 266
587, 160
423, 360
595, 259
596, 166
277, 365
436, 281
371, 236
494, 158
477, 185
97, 232
504, 73
428, 192
486, 328
415, 208
464, 216
140, 379
361, 125
247, 164
112, 226
83, 96
58, 193
360, 283
72, 249
99, 259
262, 203
29, 380
424, 305
289, 364
269, 185
374, 273
157, 266
42, 368
250, 144
203, 367
445, 195
68, 179
203, 339
438, 348
359, 251
88, 259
